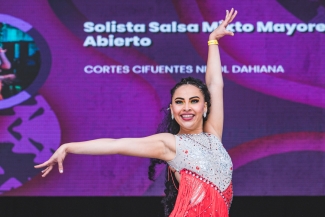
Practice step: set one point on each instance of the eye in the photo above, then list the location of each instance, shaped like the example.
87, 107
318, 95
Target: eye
179, 102
194, 101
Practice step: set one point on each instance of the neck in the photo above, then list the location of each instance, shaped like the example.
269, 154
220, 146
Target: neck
187, 131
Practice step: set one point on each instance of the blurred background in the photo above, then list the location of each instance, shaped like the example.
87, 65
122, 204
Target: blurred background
82, 70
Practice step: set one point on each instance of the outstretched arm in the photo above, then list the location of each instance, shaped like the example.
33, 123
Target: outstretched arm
213, 78
160, 146
5, 63
7, 78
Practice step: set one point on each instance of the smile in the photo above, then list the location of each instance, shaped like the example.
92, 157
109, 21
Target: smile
187, 117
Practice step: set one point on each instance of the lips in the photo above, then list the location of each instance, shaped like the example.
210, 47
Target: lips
187, 117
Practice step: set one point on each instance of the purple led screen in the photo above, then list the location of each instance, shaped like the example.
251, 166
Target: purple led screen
106, 71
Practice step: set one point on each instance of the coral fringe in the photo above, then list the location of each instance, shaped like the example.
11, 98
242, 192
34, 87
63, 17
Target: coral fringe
197, 197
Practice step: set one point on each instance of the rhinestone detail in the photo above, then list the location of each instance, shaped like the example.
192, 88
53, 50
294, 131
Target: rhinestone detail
204, 154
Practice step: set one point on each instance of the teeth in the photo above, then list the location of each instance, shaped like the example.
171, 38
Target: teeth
187, 116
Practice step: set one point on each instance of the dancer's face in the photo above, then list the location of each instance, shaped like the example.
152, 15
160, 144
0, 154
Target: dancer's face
188, 107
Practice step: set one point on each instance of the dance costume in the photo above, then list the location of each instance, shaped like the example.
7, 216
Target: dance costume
205, 188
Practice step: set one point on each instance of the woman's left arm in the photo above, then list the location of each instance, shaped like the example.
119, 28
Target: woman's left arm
213, 78
5, 63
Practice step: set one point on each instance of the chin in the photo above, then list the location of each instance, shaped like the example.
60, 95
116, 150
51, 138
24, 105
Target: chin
188, 126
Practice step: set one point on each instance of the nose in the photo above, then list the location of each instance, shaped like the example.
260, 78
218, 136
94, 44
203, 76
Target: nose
187, 106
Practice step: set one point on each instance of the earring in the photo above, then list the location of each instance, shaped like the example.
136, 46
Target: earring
204, 114
172, 116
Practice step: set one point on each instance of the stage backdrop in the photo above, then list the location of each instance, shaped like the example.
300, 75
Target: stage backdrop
92, 69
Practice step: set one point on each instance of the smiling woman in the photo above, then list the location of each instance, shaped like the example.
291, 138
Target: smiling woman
190, 105
189, 110
190, 144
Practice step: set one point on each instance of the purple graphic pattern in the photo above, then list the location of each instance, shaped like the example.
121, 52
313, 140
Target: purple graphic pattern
272, 121
27, 137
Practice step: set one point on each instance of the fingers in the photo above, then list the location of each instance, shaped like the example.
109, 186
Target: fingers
57, 158
60, 166
233, 16
227, 15
229, 33
47, 170
230, 16
43, 171
46, 163
49, 167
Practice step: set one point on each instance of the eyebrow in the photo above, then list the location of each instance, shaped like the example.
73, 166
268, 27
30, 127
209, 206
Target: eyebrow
190, 97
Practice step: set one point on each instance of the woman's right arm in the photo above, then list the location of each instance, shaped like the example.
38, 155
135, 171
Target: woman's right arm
160, 146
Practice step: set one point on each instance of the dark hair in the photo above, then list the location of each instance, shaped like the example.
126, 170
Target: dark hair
171, 126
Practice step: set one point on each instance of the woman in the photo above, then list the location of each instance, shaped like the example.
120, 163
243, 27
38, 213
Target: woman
5, 64
201, 164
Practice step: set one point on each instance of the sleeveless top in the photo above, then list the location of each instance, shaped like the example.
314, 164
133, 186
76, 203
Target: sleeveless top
205, 188
204, 155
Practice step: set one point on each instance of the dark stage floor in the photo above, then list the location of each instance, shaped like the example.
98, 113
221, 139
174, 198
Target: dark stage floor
150, 206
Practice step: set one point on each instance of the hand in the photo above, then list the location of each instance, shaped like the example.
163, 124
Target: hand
221, 30
57, 158
2, 50
8, 78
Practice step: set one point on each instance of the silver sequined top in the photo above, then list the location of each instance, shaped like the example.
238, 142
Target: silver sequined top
205, 155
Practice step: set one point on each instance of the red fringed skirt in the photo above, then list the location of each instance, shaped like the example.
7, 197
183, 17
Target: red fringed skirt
199, 197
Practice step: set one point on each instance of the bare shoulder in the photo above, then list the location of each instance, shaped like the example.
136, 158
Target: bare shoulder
209, 129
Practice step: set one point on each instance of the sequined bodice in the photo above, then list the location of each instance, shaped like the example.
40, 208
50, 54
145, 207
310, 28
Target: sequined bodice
205, 155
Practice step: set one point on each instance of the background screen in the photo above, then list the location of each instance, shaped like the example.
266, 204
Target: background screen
103, 69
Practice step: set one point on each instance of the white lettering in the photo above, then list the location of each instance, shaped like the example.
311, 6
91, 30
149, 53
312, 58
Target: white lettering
189, 69
224, 69
140, 28
154, 27
257, 69
206, 27
173, 27
101, 41
280, 69
235, 69
264, 28
90, 41
200, 69
136, 69
89, 27
107, 69
181, 27
193, 27
100, 28
121, 28
165, 28
119, 42
248, 27
302, 27
320, 27
88, 69
279, 27
238, 27
145, 42
290, 28
311, 27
